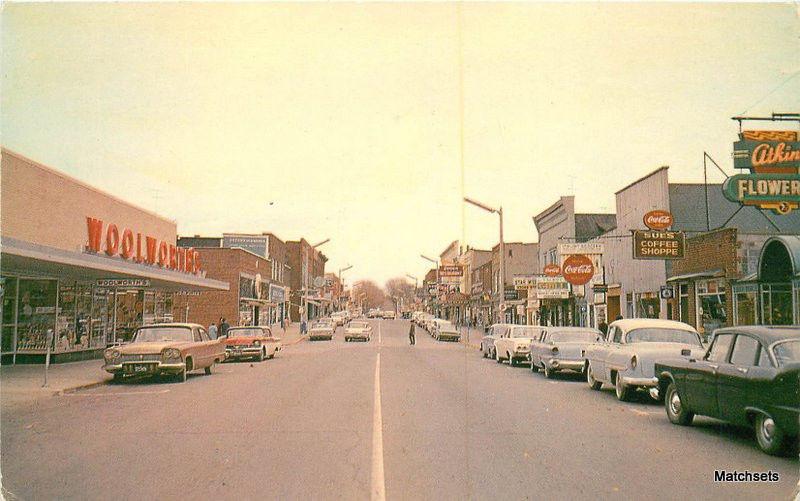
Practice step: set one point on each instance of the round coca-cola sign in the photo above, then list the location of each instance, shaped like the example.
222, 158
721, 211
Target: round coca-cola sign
578, 269
552, 270
658, 220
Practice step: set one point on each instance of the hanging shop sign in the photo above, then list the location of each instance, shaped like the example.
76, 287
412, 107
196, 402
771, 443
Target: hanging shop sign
511, 295
138, 248
552, 270
578, 269
599, 288
773, 159
582, 248
524, 282
123, 282
658, 220
452, 271
277, 294
552, 288
658, 244
666, 292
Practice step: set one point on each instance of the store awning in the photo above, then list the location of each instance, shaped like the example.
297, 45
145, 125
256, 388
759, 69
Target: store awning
700, 274
780, 259
39, 260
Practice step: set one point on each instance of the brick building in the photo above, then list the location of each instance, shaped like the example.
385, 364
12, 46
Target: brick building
307, 264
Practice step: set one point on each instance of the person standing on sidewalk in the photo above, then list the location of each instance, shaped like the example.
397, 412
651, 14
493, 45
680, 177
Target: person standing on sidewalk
212, 331
412, 338
223, 328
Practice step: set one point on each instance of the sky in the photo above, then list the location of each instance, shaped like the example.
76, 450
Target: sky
353, 121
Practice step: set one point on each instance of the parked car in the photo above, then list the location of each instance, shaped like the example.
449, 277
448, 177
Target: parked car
626, 357
514, 344
444, 330
339, 318
359, 330
389, 314
562, 348
492, 333
165, 349
251, 342
322, 329
749, 376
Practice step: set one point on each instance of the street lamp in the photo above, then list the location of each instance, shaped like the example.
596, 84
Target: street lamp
341, 284
499, 212
436, 263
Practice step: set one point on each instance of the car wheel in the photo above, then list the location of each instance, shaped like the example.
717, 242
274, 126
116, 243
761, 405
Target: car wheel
208, 370
621, 389
534, 367
117, 377
180, 377
593, 383
771, 438
549, 373
511, 360
676, 411
497, 357
260, 357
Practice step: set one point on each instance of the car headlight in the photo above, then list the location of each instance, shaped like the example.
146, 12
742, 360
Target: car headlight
634, 362
554, 350
111, 354
171, 353
256, 343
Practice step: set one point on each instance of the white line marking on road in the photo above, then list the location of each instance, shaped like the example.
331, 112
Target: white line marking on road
105, 394
640, 413
378, 484
379, 332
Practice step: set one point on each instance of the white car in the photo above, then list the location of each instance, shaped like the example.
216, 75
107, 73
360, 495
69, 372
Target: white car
626, 357
359, 330
493, 332
389, 314
562, 348
443, 330
339, 318
514, 344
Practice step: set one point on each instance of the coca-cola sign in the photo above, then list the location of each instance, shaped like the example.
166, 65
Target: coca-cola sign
658, 220
552, 270
578, 269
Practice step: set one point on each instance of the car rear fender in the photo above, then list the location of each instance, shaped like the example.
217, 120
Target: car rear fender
664, 380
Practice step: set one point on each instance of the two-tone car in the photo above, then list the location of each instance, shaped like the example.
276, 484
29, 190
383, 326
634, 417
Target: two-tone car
559, 349
172, 349
339, 318
444, 330
749, 376
514, 343
254, 342
357, 330
492, 333
626, 358
321, 329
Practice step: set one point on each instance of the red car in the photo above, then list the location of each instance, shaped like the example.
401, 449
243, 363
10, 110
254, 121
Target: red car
255, 341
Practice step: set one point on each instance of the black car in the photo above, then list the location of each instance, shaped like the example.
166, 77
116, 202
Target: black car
748, 376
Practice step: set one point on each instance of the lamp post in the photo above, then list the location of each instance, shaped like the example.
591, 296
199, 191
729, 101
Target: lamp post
304, 299
341, 284
499, 212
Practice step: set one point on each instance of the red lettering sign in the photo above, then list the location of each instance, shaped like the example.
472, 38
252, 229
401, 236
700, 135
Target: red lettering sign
152, 252
578, 269
552, 270
658, 220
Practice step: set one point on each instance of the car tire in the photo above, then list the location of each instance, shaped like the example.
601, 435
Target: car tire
593, 383
770, 437
207, 370
549, 373
677, 413
260, 356
622, 391
511, 360
117, 377
534, 367
180, 377
497, 357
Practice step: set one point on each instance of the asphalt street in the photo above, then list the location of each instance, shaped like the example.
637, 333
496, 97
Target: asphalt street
449, 425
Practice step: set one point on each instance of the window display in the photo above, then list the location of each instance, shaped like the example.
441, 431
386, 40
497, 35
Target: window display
9, 313
36, 313
711, 306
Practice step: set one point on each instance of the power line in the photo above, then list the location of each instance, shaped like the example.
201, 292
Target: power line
773, 91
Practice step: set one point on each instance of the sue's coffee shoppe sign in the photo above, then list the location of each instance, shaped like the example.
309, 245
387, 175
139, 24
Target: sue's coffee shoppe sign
773, 159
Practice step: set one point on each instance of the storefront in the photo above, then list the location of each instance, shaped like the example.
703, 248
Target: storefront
81, 269
772, 295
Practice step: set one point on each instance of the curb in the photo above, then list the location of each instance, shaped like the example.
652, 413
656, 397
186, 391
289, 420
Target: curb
73, 389
296, 341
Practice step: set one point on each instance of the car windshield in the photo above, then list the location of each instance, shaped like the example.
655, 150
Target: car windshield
446, 326
358, 325
523, 332
321, 323
574, 336
663, 335
787, 352
246, 332
161, 334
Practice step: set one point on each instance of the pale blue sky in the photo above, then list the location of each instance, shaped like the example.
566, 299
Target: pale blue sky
346, 116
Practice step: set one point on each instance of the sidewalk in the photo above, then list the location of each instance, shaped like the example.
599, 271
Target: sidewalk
26, 380
471, 336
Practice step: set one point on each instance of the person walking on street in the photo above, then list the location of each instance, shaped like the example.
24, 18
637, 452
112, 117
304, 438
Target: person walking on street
303, 327
223, 328
212, 331
412, 338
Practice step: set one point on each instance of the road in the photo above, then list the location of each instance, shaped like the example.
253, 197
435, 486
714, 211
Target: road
450, 425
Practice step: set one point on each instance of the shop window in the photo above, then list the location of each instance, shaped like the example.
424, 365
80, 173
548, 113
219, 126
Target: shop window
36, 313
74, 319
648, 305
129, 313
776, 304
711, 309
746, 307
683, 298
9, 314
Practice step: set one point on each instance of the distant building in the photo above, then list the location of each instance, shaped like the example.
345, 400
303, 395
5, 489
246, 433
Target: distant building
308, 265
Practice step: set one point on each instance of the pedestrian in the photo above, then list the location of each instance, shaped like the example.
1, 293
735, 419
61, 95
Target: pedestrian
412, 337
303, 327
603, 327
283, 324
223, 328
619, 317
212, 331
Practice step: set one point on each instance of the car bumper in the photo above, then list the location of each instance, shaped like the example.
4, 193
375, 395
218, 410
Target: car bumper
646, 382
153, 367
242, 352
570, 365
450, 337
